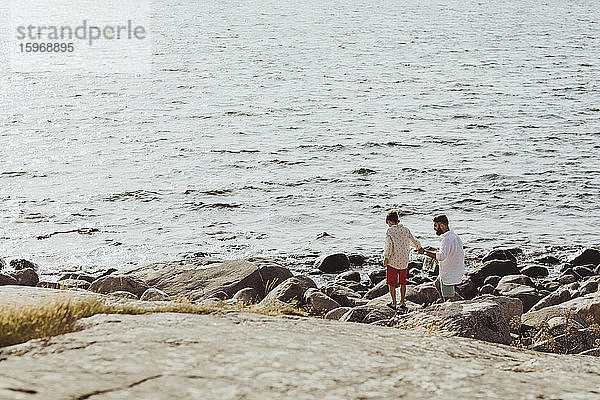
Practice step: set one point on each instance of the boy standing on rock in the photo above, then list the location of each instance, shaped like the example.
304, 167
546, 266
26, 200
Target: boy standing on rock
398, 240
451, 258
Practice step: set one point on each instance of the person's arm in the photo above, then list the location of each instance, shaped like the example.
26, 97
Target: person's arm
387, 250
413, 242
442, 254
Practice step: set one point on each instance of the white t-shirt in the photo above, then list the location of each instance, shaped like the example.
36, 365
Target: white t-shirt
398, 240
451, 257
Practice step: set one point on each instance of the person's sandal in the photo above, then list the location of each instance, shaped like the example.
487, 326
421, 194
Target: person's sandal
403, 308
391, 306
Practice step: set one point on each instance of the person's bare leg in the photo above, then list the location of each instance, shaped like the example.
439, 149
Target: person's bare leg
439, 290
393, 294
402, 294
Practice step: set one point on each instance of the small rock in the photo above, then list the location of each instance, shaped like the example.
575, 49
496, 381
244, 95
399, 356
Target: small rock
337, 313
379, 290
289, 291
154, 294
359, 314
83, 277
2, 264
566, 279
528, 295
109, 271
486, 289
316, 272
493, 267
211, 302
323, 235
377, 276
349, 276
467, 289
19, 264
116, 283
333, 263
340, 294
356, 302
549, 260
557, 297
320, 303
247, 296
499, 254
421, 294
587, 288
26, 277
492, 280
584, 271
552, 286
588, 256
123, 294
74, 284
7, 280
535, 271
357, 259
519, 279
48, 285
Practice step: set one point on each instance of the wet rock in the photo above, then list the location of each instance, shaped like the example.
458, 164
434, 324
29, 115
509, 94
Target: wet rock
588, 256
535, 271
527, 294
74, 275
492, 280
597, 270
123, 294
467, 289
486, 289
377, 276
588, 287
117, 283
484, 318
315, 272
337, 313
7, 280
48, 285
554, 298
552, 286
519, 279
247, 296
109, 271
494, 267
548, 260
154, 294
349, 276
566, 279
19, 264
340, 294
74, 284
333, 263
357, 259
2, 264
200, 278
500, 254
322, 235
26, 277
584, 271
290, 291
320, 303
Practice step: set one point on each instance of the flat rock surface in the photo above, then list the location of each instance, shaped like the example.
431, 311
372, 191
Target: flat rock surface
250, 356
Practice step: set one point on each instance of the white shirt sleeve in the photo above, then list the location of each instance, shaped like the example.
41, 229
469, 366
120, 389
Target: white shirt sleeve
387, 250
443, 252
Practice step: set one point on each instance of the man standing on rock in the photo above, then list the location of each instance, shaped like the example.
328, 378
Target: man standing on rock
451, 259
398, 240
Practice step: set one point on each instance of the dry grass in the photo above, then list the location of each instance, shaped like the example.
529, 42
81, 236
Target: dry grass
18, 324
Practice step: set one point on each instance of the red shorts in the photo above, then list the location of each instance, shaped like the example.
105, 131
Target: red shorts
395, 276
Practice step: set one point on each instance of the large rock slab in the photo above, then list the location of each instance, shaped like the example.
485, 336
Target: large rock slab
201, 278
585, 307
527, 294
257, 357
485, 318
493, 267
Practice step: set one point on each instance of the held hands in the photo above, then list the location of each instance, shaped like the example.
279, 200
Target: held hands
420, 250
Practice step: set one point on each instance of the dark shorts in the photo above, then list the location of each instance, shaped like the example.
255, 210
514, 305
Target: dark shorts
395, 276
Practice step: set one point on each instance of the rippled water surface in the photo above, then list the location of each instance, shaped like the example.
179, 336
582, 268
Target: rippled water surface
263, 124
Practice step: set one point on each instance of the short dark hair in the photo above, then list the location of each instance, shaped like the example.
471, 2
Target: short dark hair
441, 219
392, 216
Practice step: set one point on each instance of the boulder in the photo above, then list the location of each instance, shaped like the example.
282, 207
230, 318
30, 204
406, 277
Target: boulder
535, 271
340, 293
548, 260
357, 259
48, 285
492, 280
355, 302
486, 289
118, 283
597, 270
74, 284
566, 279
527, 294
425, 293
7, 280
199, 278
320, 303
247, 296
337, 313
494, 267
554, 298
154, 294
360, 314
333, 263
467, 289
377, 276
19, 264
519, 279
588, 256
352, 285
584, 271
499, 254
588, 287
74, 275
379, 290
290, 291
585, 307
26, 277
353, 276
484, 318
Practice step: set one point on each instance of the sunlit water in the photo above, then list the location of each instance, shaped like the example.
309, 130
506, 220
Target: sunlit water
263, 124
